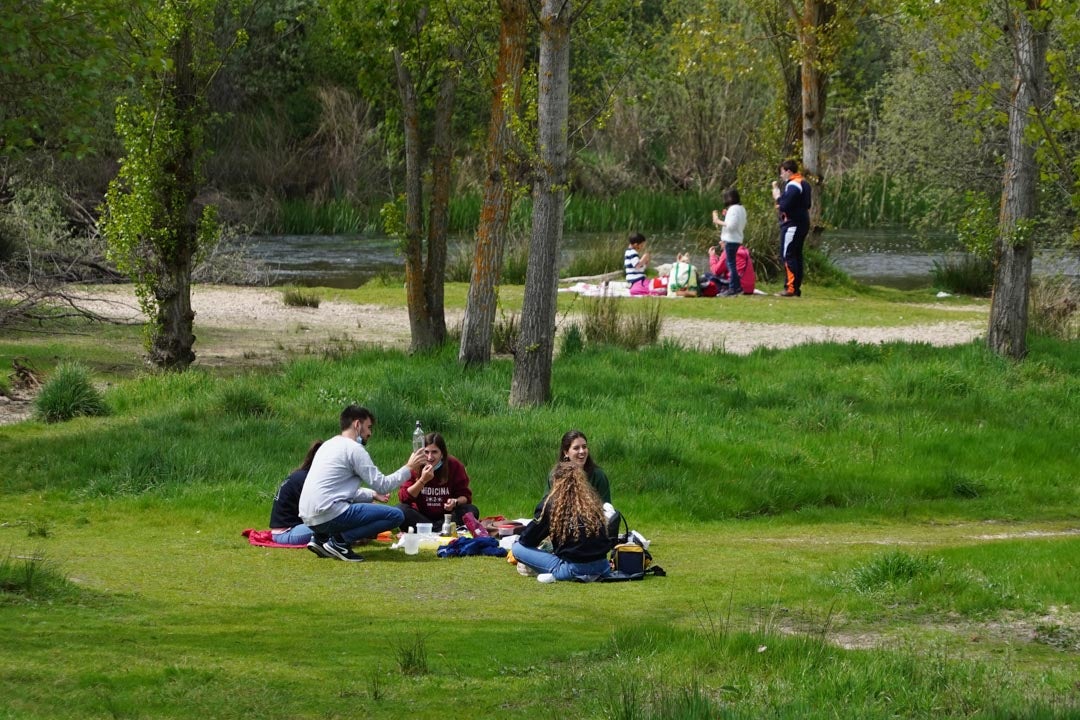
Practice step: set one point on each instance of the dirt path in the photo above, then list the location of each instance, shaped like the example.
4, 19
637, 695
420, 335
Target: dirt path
251, 325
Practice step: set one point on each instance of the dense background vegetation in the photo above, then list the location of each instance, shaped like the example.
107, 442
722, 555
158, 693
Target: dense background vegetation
670, 98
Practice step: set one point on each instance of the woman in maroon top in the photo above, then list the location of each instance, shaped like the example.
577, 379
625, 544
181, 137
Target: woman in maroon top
441, 487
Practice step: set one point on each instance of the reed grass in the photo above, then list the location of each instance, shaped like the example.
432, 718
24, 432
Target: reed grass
964, 275
336, 217
299, 297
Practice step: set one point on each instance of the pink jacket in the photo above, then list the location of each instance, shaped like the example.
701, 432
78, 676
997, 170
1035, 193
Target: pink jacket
743, 263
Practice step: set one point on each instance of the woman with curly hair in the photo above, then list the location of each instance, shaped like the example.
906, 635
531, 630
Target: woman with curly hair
573, 517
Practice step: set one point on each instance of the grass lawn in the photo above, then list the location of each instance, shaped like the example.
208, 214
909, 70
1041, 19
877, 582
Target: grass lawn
848, 531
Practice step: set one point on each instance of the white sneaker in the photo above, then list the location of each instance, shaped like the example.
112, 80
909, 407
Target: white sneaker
525, 570
545, 578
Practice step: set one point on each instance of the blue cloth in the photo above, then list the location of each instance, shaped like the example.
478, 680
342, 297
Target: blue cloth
471, 546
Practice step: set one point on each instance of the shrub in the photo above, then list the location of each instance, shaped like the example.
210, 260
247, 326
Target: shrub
964, 275
298, 297
1055, 308
69, 394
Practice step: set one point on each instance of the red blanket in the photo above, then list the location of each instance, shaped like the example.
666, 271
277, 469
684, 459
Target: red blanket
263, 538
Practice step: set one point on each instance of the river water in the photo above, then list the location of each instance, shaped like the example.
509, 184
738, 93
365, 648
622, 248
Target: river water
885, 257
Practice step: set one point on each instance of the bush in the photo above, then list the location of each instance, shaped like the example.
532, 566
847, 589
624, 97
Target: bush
297, 297
69, 394
965, 275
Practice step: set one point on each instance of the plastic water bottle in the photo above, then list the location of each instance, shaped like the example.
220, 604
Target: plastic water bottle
418, 437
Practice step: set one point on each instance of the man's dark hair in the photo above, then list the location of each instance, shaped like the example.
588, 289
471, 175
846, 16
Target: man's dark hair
353, 413
637, 239
790, 166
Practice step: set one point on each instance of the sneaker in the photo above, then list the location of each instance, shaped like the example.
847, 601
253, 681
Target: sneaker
525, 570
787, 293
316, 547
733, 292
545, 578
341, 552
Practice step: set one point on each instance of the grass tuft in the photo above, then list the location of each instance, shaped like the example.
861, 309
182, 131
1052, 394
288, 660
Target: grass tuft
298, 297
68, 394
33, 578
964, 275
608, 322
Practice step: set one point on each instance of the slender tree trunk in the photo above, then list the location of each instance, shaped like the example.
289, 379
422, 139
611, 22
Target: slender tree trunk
816, 15
531, 384
773, 18
499, 187
420, 328
439, 214
1007, 334
172, 338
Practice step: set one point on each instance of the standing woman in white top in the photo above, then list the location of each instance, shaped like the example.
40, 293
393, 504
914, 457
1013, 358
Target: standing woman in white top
731, 234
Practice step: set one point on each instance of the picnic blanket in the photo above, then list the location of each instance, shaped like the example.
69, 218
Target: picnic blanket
263, 538
471, 546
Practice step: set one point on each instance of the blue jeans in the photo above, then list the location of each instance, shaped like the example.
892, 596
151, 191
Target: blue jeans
361, 520
733, 270
545, 562
298, 535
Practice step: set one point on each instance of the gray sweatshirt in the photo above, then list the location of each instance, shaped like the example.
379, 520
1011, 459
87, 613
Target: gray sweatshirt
334, 481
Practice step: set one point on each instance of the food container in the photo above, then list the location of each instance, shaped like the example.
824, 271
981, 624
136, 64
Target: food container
509, 528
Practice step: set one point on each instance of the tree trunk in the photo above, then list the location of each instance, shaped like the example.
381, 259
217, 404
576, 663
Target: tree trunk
499, 187
816, 15
1007, 334
531, 384
774, 19
172, 339
420, 328
439, 214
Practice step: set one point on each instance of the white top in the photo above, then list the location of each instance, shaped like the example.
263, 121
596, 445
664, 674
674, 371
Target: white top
333, 482
734, 225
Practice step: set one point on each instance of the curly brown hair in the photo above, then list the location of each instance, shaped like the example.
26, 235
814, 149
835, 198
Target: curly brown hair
575, 508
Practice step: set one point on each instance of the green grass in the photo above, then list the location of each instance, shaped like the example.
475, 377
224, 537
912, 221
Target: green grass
848, 531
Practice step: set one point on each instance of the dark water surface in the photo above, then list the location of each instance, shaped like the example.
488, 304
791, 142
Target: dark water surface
890, 258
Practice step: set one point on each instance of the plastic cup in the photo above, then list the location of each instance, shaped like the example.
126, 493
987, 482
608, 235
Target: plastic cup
411, 543
424, 528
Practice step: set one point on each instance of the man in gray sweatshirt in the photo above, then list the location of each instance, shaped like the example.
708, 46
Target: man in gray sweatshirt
334, 502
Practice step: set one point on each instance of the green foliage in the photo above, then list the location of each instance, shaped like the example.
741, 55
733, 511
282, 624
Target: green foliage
596, 260
299, 297
964, 275
67, 394
56, 62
